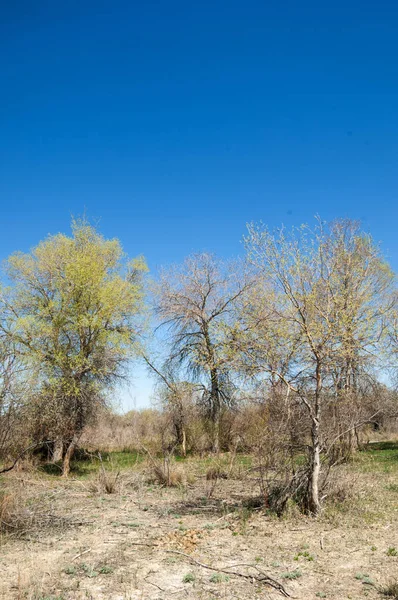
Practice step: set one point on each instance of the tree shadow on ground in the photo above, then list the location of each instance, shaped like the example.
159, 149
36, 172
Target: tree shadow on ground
374, 446
202, 505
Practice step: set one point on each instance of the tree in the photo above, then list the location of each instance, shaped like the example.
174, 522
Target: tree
361, 284
330, 293
15, 389
176, 398
392, 346
195, 303
71, 313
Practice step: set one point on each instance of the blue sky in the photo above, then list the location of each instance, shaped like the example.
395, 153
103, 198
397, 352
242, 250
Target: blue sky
172, 124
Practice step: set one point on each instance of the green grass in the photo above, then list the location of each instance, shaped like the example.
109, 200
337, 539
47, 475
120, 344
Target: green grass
378, 456
85, 465
219, 578
306, 555
291, 574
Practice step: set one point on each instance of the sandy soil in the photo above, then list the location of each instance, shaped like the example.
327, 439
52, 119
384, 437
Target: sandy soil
122, 546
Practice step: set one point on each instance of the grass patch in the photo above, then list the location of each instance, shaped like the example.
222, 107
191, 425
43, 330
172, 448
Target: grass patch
88, 463
292, 574
378, 456
219, 578
306, 555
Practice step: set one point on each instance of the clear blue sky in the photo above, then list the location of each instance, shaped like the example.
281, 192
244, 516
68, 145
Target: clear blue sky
175, 123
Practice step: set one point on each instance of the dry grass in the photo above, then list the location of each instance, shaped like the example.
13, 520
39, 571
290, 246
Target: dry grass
7, 509
390, 590
215, 473
107, 482
15, 516
167, 473
121, 549
28, 508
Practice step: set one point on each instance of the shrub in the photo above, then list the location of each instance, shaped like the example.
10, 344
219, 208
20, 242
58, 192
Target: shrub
292, 574
390, 590
105, 482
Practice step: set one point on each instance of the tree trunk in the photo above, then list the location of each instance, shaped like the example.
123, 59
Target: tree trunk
216, 431
216, 422
313, 488
58, 450
180, 435
313, 503
215, 404
216, 411
184, 442
68, 456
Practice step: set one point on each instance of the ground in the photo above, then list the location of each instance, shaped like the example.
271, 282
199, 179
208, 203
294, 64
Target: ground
138, 542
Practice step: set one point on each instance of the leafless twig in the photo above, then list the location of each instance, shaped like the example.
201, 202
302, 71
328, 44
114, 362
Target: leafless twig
260, 578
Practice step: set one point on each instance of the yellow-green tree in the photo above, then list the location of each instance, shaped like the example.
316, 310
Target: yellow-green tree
330, 294
72, 311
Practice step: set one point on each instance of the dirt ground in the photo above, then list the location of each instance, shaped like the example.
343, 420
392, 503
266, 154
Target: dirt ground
126, 545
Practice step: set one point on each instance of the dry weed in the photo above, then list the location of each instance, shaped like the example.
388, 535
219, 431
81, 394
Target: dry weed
390, 590
107, 482
167, 474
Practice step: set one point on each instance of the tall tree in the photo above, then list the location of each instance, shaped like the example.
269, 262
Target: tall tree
330, 296
361, 288
196, 303
71, 313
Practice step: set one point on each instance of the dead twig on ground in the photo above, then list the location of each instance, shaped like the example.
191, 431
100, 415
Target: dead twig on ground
154, 584
260, 578
81, 554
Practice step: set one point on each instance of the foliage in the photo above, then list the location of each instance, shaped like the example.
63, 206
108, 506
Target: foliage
71, 313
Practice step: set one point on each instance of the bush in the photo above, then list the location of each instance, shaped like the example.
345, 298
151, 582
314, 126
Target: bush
167, 474
7, 508
105, 482
390, 590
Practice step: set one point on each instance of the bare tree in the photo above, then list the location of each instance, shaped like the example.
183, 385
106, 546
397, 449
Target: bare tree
195, 303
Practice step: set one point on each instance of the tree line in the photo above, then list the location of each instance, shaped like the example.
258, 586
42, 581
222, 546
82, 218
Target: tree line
303, 327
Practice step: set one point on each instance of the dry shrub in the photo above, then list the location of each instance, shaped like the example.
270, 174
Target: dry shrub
26, 509
15, 518
338, 490
166, 473
107, 482
390, 590
7, 508
114, 432
215, 473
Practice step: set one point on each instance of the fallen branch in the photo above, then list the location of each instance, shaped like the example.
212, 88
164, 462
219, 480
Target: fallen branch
81, 554
260, 578
154, 584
